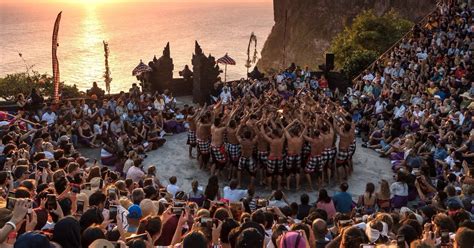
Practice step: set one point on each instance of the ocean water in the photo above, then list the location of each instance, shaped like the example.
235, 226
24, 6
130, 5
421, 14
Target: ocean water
133, 31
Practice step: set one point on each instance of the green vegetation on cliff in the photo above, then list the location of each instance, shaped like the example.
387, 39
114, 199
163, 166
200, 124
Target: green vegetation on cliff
366, 39
13, 84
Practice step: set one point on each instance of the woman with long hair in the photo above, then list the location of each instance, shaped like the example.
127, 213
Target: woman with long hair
368, 199
86, 135
383, 196
399, 191
151, 173
325, 202
211, 192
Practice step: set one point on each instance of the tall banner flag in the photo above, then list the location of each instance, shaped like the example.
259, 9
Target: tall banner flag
55, 45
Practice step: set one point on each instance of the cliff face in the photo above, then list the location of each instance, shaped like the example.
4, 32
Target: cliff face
305, 28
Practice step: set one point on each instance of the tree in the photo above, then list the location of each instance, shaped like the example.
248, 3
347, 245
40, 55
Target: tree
366, 39
13, 84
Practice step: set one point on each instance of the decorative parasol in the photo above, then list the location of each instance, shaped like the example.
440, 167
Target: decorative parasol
226, 60
141, 68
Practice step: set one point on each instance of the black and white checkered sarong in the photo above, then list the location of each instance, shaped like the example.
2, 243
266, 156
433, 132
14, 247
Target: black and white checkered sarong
218, 154
343, 155
293, 163
352, 148
192, 140
204, 146
247, 164
314, 163
234, 151
275, 165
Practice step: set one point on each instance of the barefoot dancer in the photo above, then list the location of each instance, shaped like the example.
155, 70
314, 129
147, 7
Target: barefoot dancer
352, 146
329, 150
233, 147
192, 142
275, 158
246, 160
314, 163
262, 157
203, 134
295, 141
219, 156
343, 155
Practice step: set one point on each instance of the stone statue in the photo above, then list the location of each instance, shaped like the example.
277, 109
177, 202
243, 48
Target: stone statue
256, 74
186, 73
206, 73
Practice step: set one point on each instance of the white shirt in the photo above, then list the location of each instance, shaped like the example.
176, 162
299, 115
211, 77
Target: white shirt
418, 113
276, 203
399, 188
104, 153
159, 105
379, 106
169, 99
49, 118
226, 97
172, 189
279, 78
135, 173
234, 195
368, 77
399, 111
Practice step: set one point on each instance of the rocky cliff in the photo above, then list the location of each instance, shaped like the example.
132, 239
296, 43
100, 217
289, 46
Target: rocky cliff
304, 29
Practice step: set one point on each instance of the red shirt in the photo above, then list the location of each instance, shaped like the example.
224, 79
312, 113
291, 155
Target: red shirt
323, 83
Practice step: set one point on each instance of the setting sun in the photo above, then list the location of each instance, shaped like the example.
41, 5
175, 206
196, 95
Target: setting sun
90, 1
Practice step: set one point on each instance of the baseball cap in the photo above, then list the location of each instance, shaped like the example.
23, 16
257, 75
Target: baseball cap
134, 212
32, 239
453, 204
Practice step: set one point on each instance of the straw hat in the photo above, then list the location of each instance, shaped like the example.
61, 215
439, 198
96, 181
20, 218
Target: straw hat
101, 243
466, 95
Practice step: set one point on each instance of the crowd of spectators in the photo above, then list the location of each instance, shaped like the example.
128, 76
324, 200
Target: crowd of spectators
414, 106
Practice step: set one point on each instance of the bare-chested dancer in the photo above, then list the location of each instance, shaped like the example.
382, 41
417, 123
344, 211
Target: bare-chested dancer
352, 146
343, 154
314, 163
330, 150
233, 146
294, 137
262, 157
246, 159
203, 135
219, 155
192, 142
275, 158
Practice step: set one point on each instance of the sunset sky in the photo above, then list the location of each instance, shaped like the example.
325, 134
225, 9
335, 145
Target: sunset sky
116, 1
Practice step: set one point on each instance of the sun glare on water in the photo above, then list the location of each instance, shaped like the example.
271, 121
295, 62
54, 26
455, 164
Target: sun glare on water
91, 1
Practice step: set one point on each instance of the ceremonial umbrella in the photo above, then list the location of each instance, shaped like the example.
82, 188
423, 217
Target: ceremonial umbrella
226, 60
141, 68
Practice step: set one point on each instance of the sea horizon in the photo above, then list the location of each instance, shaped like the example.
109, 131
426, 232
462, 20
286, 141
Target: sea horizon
134, 32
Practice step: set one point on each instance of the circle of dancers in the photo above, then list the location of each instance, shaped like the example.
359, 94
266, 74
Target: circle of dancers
276, 139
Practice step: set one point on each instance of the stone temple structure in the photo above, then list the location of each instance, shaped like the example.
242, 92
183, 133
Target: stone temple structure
205, 74
161, 76
198, 82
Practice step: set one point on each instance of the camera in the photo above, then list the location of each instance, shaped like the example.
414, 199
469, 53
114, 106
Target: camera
75, 188
177, 210
113, 213
445, 237
80, 207
51, 203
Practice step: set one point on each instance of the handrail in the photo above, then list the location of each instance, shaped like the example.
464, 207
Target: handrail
422, 22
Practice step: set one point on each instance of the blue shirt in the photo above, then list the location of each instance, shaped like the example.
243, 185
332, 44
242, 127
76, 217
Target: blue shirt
342, 202
440, 153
